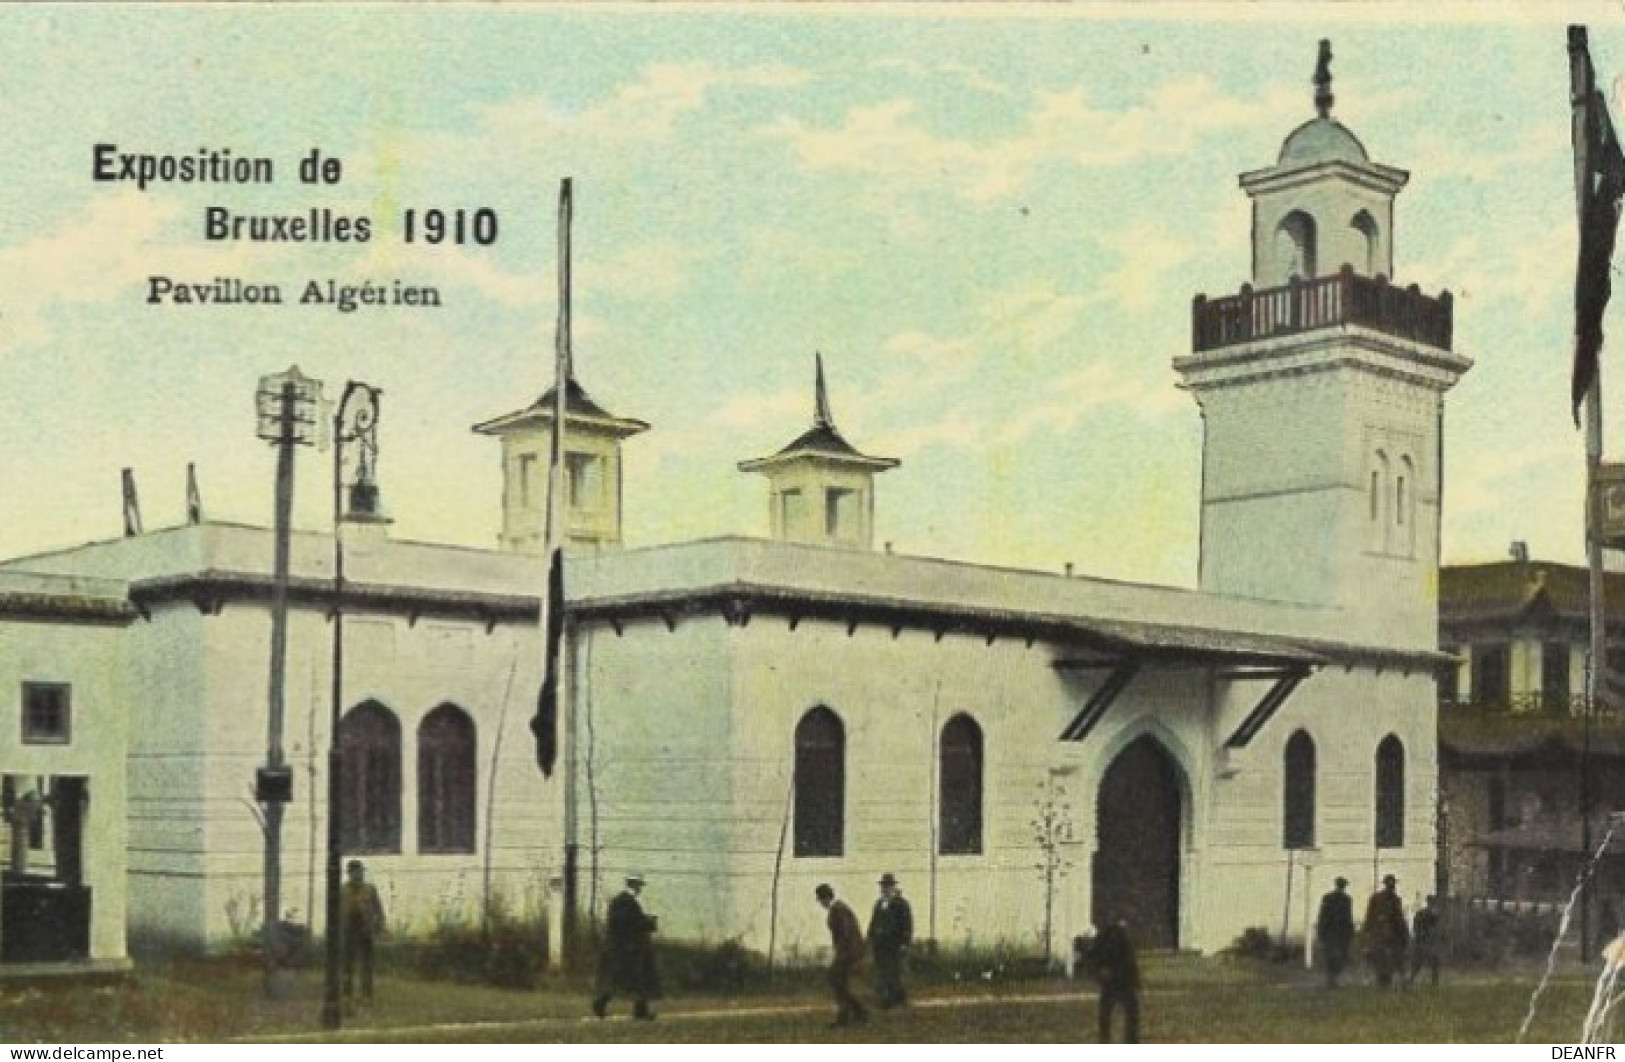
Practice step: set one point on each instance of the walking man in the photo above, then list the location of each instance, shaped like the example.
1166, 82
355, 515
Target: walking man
891, 931
1387, 937
626, 964
1117, 968
1334, 930
847, 941
1427, 940
362, 923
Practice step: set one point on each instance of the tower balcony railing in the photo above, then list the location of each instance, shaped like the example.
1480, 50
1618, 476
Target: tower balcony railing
1304, 305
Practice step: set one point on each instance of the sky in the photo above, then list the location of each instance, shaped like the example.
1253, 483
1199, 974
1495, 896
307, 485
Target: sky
990, 221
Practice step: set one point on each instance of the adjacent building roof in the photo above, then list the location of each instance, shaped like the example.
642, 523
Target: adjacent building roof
1510, 591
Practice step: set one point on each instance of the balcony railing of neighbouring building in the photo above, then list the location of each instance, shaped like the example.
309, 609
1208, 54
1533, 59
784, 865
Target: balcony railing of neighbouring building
1305, 305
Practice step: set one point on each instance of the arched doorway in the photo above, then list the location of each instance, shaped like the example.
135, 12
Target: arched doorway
1139, 817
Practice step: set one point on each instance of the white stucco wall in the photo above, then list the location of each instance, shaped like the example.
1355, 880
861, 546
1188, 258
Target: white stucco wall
89, 657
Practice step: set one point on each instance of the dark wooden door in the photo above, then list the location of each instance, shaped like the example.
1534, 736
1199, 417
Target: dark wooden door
1139, 819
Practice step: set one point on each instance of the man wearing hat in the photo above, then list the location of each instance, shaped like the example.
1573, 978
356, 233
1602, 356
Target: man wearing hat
361, 923
1387, 937
891, 931
1334, 930
846, 940
627, 962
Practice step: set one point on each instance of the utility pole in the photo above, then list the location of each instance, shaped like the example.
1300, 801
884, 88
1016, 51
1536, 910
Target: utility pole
287, 414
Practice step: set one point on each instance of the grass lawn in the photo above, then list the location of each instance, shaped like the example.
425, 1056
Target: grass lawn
1187, 1001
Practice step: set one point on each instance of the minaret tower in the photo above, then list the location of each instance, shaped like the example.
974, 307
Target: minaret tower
821, 490
592, 471
1321, 386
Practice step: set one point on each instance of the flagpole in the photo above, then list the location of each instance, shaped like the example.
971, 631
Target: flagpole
555, 546
1599, 640
1597, 155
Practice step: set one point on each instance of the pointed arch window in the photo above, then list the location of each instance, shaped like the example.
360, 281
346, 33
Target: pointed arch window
820, 784
1390, 810
370, 779
1295, 238
446, 781
1298, 792
959, 812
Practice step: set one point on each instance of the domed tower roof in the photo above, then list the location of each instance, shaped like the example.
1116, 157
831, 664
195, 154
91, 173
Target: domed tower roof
1322, 139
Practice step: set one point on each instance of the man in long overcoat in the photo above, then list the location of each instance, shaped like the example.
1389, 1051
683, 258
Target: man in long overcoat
846, 939
362, 922
1334, 930
626, 965
1387, 936
891, 931
1117, 969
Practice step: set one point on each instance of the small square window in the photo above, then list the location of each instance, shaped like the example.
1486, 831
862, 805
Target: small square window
47, 716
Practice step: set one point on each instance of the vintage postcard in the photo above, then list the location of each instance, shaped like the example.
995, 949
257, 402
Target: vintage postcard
929, 523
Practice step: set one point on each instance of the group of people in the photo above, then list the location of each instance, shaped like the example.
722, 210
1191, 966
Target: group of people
627, 967
891, 931
626, 964
1391, 944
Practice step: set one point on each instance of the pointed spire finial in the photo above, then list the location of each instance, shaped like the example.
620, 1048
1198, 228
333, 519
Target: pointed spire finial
821, 414
1323, 80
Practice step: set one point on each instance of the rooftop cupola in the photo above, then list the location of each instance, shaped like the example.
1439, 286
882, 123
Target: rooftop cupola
1324, 204
821, 489
591, 473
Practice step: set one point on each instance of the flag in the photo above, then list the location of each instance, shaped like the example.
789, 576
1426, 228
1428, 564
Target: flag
194, 498
1599, 175
545, 724
132, 505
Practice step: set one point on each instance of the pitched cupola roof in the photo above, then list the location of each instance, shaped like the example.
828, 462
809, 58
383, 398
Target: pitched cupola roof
821, 441
579, 407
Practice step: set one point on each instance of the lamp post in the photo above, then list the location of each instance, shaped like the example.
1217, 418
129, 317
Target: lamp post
287, 405
356, 421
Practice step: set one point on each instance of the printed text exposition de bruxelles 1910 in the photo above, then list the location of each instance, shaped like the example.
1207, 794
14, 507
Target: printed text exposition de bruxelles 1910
317, 225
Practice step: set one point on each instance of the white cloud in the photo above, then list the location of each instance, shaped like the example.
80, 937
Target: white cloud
888, 141
658, 269
106, 252
643, 110
1147, 255
963, 73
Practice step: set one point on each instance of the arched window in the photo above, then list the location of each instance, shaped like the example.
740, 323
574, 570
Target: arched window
959, 811
820, 784
1366, 226
1379, 486
1401, 496
446, 789
370, 779
1295, 239
1298, 792
1390, 826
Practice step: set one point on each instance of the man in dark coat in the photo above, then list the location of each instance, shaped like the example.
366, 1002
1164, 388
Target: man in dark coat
1117, 968
1334, 930
1427, 940
1387, 937
626, 964
846, 939
361, 923
891, 931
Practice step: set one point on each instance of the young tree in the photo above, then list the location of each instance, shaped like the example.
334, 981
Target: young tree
1052, 834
